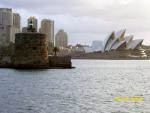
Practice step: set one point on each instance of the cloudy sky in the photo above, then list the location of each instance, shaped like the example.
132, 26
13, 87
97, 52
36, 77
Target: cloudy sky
87, 20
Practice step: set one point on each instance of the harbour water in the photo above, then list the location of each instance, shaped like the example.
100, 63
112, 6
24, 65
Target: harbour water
89, 88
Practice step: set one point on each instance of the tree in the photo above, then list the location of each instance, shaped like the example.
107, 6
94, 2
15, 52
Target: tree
55, 50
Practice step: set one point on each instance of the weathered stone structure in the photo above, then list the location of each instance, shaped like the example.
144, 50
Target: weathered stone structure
31, 50
60, 62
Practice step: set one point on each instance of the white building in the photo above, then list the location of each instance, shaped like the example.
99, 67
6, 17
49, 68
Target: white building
16, 26
24, 29
61, 39
124, 44
47, 27
6, 23
9, 26
34, 21
118, 41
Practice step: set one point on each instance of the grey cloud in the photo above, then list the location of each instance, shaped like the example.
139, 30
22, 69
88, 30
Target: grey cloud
88, 18
112, 10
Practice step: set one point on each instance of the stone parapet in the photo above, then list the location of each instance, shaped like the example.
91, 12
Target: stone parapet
31, 50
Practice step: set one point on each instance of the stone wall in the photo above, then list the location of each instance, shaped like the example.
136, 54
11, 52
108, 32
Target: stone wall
31, 50
60, 62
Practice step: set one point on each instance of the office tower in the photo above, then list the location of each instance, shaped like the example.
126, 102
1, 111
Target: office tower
52, 32
24, 30
61, 39
9, 26
16, 20
16, 26
34, 22
47, 27
40, 30
6, 23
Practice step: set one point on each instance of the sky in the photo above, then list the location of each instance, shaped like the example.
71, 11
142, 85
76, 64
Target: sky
88, 20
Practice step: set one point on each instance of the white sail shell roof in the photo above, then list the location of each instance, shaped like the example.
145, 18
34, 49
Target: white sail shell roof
134, 44
108, 41
118, 40
129, 39
109, 45
118, 45
119, 34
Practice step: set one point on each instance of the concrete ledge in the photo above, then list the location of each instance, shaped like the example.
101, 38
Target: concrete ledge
60, 62
55, 62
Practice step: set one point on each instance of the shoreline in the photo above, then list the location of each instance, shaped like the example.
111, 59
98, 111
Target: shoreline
98, 56
105, 59
53, 62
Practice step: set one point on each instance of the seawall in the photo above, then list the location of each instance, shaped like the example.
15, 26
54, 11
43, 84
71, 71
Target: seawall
60, 62
54, 62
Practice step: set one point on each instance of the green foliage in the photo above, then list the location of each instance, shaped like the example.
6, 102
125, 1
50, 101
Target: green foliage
55, 50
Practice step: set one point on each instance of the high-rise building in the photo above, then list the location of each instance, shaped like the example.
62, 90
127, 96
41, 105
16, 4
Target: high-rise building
6, 23
24, 29
16, 26
34, 22
9, 26
61, 39
16, 20
6, 16
47, 27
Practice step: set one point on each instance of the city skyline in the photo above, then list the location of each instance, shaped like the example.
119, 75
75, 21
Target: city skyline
61, 39
87, 24
47, 27
9, 26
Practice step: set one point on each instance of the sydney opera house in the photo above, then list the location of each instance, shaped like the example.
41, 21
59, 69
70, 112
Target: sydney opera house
119, 45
